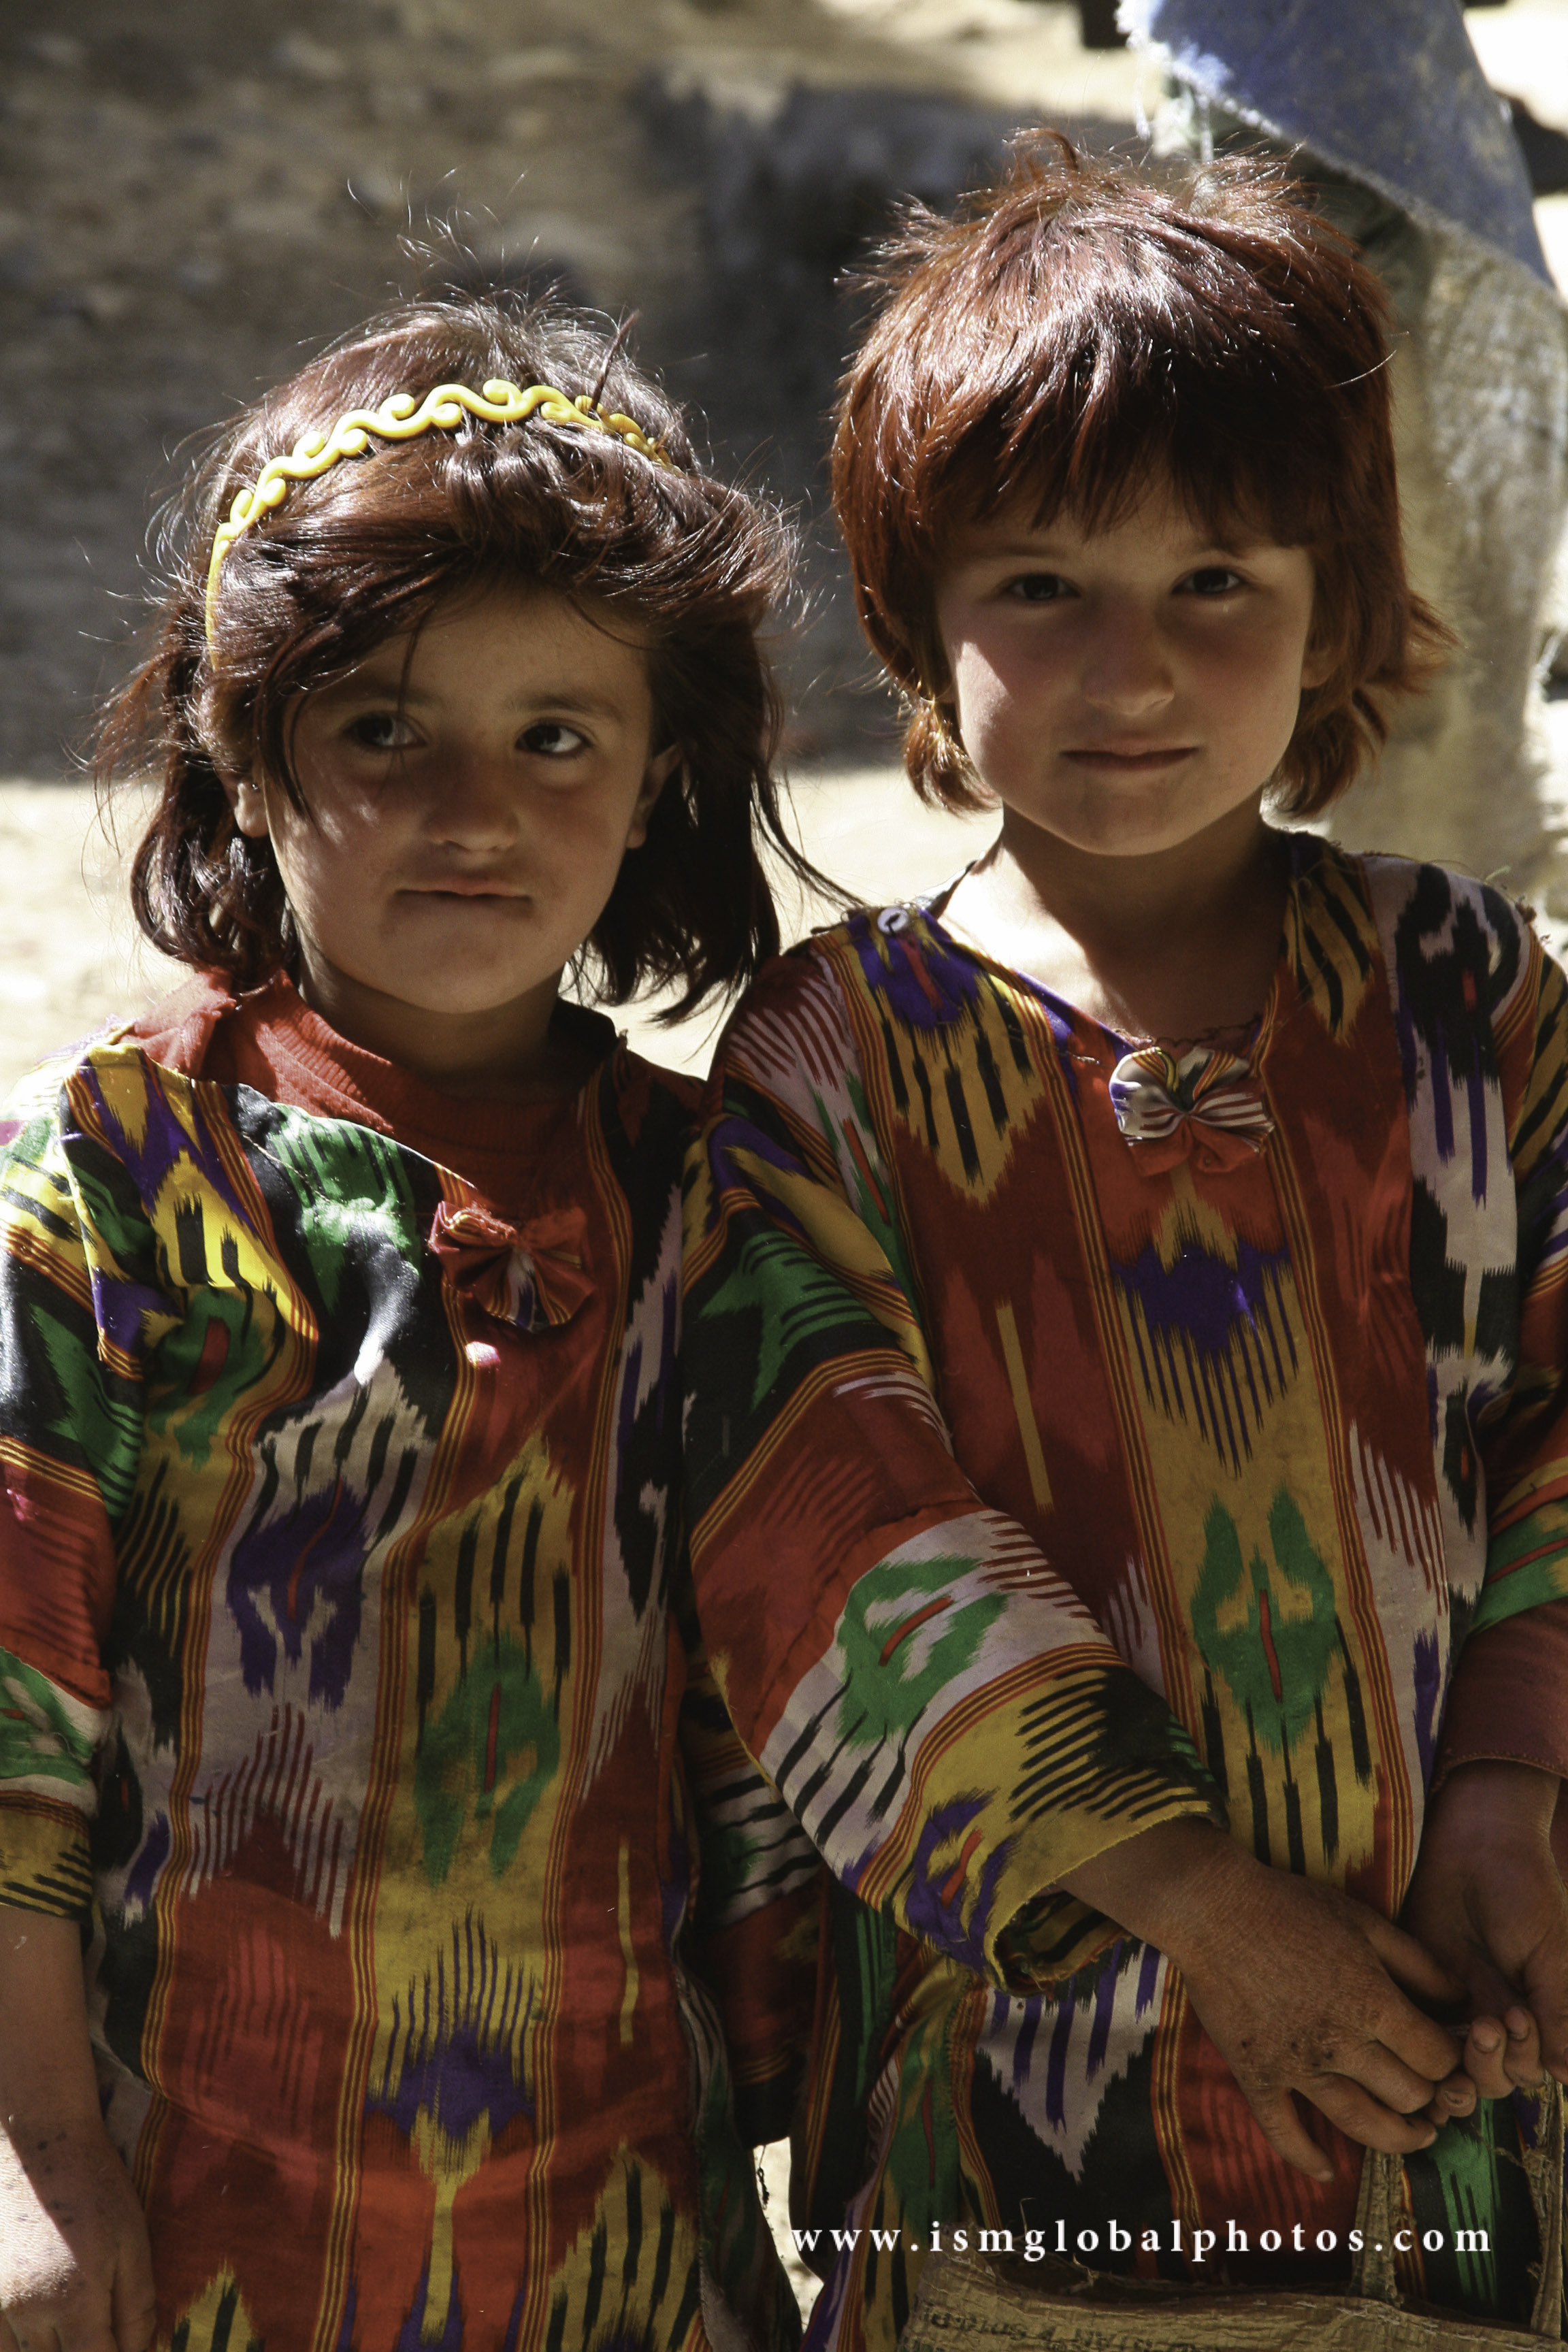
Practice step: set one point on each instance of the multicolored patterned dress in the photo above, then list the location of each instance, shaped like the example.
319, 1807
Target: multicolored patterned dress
1082, 1439
353, 1692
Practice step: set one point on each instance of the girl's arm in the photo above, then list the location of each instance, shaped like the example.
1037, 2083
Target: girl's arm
75, 2265
1299, 1989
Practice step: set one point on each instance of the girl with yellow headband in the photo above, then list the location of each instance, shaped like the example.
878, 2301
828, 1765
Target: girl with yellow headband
358, 1748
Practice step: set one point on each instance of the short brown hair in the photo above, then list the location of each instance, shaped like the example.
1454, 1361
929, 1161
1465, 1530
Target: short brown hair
370, 548
1077, 330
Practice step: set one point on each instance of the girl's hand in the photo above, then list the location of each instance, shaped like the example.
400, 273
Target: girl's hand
76, 2270
1301, 1991
1487, 1901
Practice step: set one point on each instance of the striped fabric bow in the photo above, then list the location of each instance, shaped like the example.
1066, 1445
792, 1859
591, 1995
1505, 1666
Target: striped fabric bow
1207, 1106
531, 1276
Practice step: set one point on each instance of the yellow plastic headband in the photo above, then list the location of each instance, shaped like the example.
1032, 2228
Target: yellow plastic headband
403, 418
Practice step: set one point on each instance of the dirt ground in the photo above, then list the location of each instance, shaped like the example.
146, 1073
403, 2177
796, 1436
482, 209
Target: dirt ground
194, 192
73, 959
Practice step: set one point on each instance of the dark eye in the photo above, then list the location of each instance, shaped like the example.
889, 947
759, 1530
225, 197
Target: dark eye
553, 740
1037, 588
381, 731
1214, 580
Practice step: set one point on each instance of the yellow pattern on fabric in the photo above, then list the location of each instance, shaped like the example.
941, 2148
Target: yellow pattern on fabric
1259, 1582
218, 2318
1332, 942
974, 1076
642, 2299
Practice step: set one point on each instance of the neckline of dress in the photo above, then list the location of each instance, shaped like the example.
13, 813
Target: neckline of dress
1250, 1037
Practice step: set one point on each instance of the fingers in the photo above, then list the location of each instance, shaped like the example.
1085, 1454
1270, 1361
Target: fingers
1409, 1963
1385, 2078
1365, 2119
1455, 2097
1287, 2135
1406, 2055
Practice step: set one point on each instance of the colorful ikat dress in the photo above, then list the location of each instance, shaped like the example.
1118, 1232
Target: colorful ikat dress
352, 1698
1127, 1436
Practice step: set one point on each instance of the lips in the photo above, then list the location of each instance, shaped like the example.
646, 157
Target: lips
1132, 757
464, 886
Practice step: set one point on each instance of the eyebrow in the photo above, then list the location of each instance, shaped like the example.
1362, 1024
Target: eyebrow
1054, 551
574, 701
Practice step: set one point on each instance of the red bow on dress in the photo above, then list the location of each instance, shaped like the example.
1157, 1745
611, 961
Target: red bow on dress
530, 1275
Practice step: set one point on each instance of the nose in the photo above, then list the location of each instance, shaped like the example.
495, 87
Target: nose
1126, 665
474, 806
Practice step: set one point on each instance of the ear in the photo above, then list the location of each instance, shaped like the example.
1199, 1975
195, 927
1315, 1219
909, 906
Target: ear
655, 777
1318, 659
247, 799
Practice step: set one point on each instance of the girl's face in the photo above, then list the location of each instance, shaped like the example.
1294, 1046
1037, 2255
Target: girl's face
1124, 689
471, 798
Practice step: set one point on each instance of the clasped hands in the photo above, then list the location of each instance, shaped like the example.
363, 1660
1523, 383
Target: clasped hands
1389, 2030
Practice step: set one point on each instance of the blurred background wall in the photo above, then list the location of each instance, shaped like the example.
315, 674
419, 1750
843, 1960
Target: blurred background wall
194, 193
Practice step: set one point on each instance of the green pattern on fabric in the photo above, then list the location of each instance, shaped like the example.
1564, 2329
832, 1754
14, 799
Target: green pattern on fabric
496, 1744
1277, 1664
1525, 1566
879, 1639
38, 1740
109, 1431
221, 1334
795, 1298
357, 1186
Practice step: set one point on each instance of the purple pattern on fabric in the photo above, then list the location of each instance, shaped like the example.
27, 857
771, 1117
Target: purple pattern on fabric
1147, 1975
1104, 2003
121, 1307
1200, 1296
165, 1141
1442, 1100
456, 2054
345, 2342
756, 1146
1023, 2044
314, 1554
1429, 1690
928, 985
411, 2336
1476, 1086
1205, 1304
1057, 2063
143, 1875
937, 1917
1431, 1401
822, 2328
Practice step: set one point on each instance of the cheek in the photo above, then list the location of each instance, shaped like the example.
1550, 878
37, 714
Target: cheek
996, 682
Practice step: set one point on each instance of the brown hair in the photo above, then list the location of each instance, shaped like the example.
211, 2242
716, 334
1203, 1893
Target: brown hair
1076, 331
372, 546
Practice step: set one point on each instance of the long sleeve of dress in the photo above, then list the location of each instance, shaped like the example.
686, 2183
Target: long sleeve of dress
918, 1681
70, 1434
1523, 1428
1509, 1696
759, 1901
